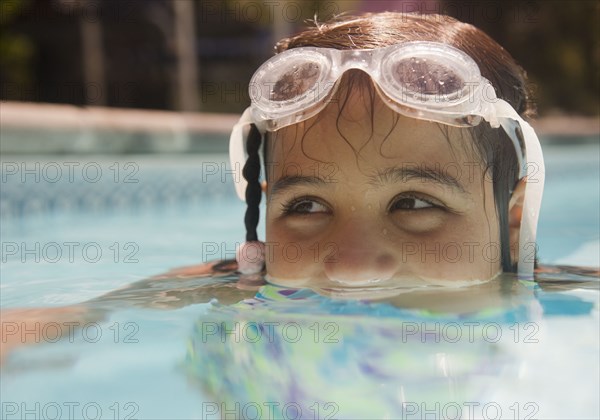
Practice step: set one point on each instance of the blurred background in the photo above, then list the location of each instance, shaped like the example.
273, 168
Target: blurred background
198, 56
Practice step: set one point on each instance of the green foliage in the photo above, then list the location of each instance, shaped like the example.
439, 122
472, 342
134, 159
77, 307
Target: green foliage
16, 51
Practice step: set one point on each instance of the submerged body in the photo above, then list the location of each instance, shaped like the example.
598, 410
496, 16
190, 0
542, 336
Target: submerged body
333, 351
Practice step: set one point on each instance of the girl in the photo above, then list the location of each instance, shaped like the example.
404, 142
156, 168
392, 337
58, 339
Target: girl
394, 155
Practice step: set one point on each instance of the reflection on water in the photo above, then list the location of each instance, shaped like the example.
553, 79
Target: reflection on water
489, 350
503, 349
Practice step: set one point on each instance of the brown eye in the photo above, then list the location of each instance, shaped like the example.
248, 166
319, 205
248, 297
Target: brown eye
411, 203
305, 206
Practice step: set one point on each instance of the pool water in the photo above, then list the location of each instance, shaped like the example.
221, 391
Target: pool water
514, 350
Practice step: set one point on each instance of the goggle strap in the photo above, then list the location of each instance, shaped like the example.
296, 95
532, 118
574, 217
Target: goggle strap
534, 169
533, 199
510, 126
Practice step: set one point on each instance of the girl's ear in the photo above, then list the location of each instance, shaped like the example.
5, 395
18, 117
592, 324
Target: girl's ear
515, 213
263, 186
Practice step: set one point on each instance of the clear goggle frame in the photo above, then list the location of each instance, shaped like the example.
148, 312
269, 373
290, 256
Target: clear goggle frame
425, 80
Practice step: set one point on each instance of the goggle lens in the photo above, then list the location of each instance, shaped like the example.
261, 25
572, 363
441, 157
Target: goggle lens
295, 82
418, 76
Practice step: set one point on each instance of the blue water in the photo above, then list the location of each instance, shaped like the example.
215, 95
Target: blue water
352, 359
569, 228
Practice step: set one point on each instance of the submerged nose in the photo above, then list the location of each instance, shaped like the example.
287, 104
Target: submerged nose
359, 258
356, 267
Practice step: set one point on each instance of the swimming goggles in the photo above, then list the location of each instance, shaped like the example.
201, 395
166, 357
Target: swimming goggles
425, 80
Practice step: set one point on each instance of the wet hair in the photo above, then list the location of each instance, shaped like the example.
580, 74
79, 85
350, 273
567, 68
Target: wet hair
251, 172
377, 30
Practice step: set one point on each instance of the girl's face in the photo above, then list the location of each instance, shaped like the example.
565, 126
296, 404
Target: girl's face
362, 196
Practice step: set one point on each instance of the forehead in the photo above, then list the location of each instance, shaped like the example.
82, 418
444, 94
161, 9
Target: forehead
357, 128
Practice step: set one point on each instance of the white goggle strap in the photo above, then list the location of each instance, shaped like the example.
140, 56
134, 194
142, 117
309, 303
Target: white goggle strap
237, 152
510, 126
534, 170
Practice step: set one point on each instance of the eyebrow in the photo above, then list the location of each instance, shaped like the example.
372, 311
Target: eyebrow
288, 182
383, 177
397, 174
